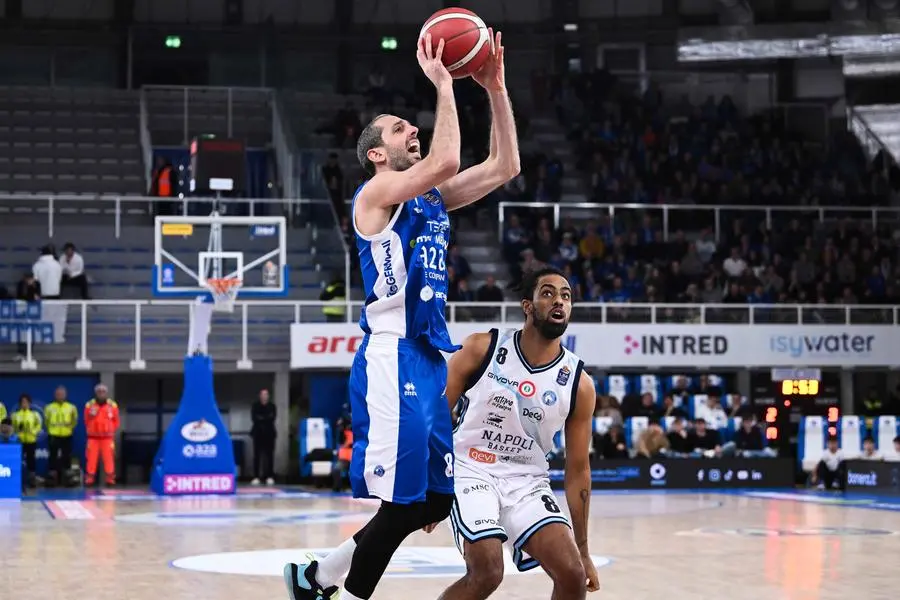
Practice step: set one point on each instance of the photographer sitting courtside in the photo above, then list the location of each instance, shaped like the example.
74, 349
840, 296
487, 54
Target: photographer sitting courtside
829, 473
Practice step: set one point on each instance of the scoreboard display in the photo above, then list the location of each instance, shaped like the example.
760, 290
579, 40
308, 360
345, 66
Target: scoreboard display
785, 396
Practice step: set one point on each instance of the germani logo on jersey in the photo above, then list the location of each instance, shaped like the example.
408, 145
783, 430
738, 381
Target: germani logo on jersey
504, 380
409, 389
387, 269
562, 378
548, 398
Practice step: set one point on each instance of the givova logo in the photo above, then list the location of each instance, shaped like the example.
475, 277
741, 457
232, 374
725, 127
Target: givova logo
842, 344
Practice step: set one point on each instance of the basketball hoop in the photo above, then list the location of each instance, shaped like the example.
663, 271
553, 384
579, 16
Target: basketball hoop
224, 291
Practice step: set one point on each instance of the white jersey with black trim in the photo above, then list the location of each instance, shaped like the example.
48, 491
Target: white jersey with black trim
511, 410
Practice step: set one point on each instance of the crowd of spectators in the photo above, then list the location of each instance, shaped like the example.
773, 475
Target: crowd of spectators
649, 152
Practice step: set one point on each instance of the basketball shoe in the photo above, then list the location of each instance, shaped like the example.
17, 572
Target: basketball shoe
301, 583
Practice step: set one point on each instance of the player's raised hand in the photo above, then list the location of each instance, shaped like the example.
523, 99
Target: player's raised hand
430, 61
590, 571
492, 76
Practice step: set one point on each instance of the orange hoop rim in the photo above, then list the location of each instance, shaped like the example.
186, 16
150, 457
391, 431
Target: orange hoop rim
223, 285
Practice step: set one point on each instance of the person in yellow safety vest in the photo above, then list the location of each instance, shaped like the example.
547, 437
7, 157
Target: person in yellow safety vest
336, 290
61, 417
2, 411
27, 424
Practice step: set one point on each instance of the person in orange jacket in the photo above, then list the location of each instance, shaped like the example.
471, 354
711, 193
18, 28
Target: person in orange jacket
101, 420
344, 454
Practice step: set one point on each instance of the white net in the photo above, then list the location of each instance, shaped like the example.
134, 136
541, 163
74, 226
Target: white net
224, 292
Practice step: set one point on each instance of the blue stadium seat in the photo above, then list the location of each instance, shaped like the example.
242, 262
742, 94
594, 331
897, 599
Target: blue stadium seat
886, 429
811, 444
633, 428
851, 432
650, 384
617, 386
314, 433
602, 424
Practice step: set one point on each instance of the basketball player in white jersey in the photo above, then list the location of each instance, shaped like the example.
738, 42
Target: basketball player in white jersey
516, 390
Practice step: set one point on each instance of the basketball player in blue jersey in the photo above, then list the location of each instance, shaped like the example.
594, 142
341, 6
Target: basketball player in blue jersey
403, 441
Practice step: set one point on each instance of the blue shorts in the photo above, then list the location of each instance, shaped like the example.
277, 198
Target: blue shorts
402, 432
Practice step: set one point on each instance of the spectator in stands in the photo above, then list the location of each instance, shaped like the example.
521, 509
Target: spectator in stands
335, 291
736, 406
611, 445
333, 176
872, 405
164, 184
607, 406
829, 472
7, 432
679, 439
712, 412
459, 263
670, 409
648, 408
704, 441
680, 391
48, 273
489, 292
652, 443
27, 290
73, 274
263, 414
735, 265
27, 423
515, 239
748, 439
897, 448
869, 452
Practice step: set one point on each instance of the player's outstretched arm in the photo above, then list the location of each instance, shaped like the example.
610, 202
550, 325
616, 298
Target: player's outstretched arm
579, 427
502, 163
442, 162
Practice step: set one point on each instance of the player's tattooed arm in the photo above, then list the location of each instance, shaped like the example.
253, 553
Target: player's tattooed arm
464, 364
578, 467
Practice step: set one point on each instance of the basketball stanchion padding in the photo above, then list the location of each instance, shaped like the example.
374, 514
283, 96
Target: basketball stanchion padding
224, 291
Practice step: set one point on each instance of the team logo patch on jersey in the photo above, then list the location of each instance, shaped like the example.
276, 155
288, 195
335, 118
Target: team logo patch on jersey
482, 456
431, 198
562, 378
502, 403
548, 398
527, 389
535, 415
379, 471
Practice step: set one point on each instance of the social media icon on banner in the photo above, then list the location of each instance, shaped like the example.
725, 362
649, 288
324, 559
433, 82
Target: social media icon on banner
742, 475
715, 475
701, 475
728, 475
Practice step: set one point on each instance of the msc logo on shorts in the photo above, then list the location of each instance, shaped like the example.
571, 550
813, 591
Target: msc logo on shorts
481, 456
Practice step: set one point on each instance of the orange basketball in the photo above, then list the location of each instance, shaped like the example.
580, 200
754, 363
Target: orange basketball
467, 42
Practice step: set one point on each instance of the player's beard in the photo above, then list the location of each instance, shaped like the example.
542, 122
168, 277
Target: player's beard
399, 159
548, 329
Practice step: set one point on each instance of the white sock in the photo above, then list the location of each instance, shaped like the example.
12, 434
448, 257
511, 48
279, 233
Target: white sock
335, 565
345, 595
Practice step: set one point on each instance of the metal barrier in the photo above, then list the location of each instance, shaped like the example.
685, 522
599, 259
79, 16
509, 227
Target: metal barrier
137, 330
709, 215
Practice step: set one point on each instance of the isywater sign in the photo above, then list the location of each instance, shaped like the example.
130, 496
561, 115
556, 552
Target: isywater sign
332, 345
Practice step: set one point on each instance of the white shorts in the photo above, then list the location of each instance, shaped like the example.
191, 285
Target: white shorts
511, 509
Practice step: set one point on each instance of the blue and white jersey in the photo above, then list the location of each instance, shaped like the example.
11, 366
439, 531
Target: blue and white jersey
404, 272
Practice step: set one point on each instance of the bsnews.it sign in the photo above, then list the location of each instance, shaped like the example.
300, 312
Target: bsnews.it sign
685, 473
869, 476
332, 345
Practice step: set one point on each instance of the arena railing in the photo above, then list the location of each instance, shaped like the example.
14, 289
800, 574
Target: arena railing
700, 216
131, 320
119, 211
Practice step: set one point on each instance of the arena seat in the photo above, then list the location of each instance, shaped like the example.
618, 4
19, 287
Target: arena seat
851, 432
811, 444
650, 384
314, 434
617, 386
602, 424
633, 428
886, 429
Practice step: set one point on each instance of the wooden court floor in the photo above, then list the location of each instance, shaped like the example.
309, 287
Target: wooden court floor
132, 546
